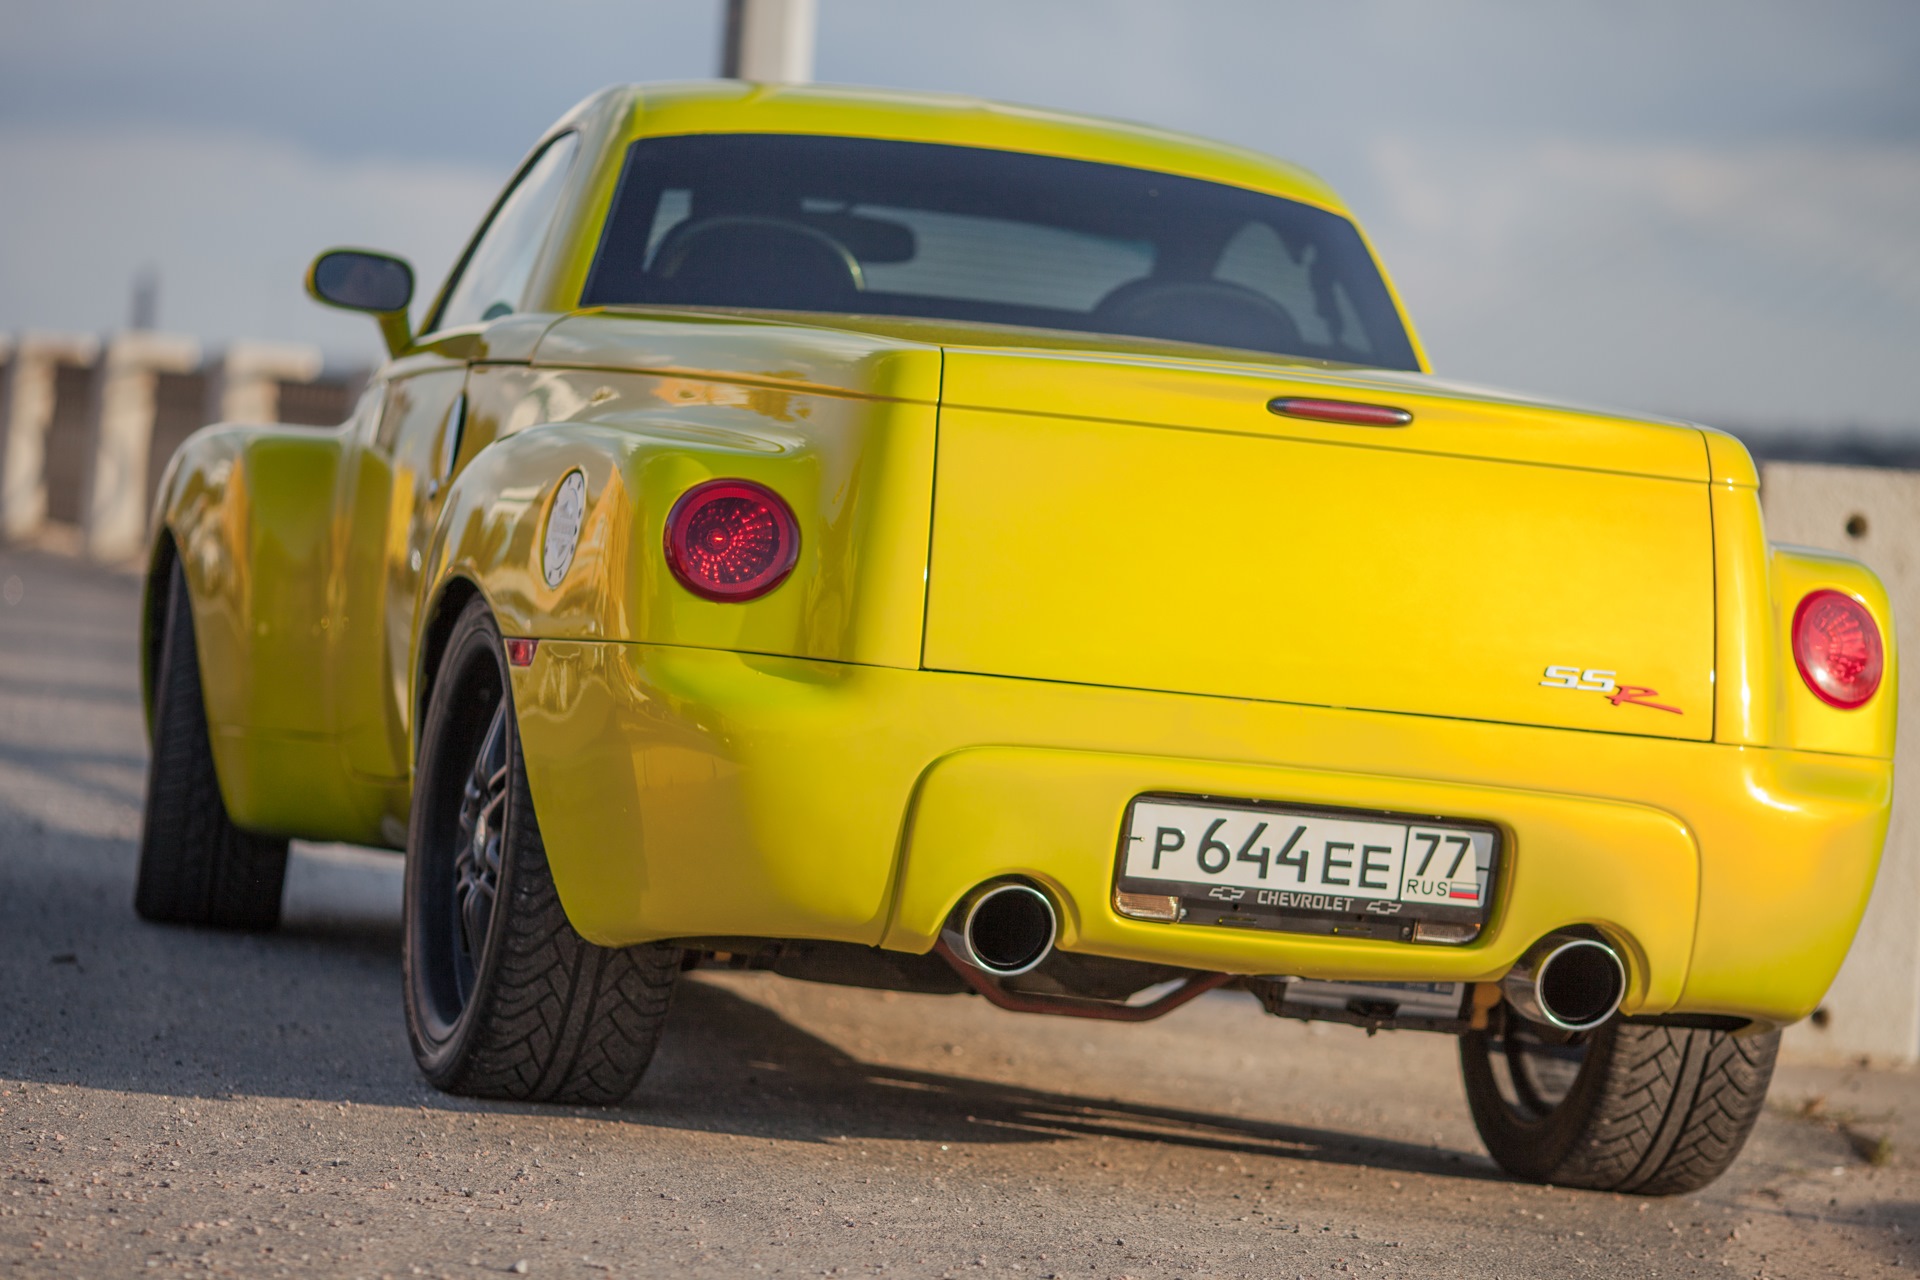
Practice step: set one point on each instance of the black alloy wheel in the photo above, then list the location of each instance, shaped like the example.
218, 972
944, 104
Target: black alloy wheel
504, 998
476, 851
1633, 1107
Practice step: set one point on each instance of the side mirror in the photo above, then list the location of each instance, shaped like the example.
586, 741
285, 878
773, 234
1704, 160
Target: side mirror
359, 280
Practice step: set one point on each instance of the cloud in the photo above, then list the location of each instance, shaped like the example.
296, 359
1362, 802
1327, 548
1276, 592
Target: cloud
1700, 209
472, 81
1764, 284
230, 221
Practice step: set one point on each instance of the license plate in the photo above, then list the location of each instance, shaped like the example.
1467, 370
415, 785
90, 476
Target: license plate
1305, 869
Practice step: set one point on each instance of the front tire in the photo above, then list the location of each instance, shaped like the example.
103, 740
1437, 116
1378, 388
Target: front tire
1650, 1110
196, 867
504, 999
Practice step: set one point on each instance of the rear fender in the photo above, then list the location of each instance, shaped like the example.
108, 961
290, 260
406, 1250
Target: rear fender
248, 512
1805, 722
856, 471
1759, 698
861, 498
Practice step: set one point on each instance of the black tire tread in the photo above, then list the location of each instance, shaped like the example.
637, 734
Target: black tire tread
558, 1018
1659, 1110
196, 867
1728, 1094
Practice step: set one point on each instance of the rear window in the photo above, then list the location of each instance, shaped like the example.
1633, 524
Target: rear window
858, 226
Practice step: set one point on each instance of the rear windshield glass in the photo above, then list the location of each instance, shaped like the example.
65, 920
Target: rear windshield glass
797, 222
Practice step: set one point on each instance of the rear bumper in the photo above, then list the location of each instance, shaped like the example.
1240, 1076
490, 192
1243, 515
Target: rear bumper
694, 793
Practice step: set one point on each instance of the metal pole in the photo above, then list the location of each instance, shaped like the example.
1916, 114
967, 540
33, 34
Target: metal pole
770, 41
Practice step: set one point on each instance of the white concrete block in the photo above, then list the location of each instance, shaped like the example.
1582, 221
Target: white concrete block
244, 384
1872, 515
114, 510
26, 412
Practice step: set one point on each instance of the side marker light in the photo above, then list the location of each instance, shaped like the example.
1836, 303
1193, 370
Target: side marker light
520, 651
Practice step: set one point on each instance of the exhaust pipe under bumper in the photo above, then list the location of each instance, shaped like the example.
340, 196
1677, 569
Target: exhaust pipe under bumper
1568, 982
1004, 928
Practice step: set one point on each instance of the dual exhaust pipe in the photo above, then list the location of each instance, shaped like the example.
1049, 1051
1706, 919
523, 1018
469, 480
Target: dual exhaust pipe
1568, 982
1006, 928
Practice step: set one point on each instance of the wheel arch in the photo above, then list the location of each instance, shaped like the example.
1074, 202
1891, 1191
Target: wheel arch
248, 514
449, 602
155, 592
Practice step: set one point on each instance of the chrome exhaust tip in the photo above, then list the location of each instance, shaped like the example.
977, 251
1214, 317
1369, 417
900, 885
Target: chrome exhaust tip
1004, 928
1568, 982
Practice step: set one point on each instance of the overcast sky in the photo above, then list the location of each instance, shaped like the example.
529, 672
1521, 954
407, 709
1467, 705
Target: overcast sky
1709, 209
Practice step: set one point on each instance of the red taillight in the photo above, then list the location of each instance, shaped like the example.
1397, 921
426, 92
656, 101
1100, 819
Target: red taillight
1837, 647
731, 540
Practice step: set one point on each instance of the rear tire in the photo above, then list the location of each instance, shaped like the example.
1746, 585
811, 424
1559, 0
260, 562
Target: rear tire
504, 999
1651, 1110
196, 867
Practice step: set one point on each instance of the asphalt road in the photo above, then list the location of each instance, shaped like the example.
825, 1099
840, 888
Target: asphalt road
173, 1100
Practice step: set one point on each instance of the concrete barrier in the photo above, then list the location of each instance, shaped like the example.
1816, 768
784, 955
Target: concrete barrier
244, 385
86, 424
120, 431
27, 401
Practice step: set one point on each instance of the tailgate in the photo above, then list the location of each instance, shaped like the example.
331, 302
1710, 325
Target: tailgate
1157, 528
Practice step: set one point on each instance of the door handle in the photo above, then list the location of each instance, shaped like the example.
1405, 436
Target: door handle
1351, 412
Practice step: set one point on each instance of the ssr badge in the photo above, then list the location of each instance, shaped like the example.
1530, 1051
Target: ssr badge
1594, 680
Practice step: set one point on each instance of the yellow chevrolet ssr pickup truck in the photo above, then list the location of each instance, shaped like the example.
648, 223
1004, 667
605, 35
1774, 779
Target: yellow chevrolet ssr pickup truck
919, 543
